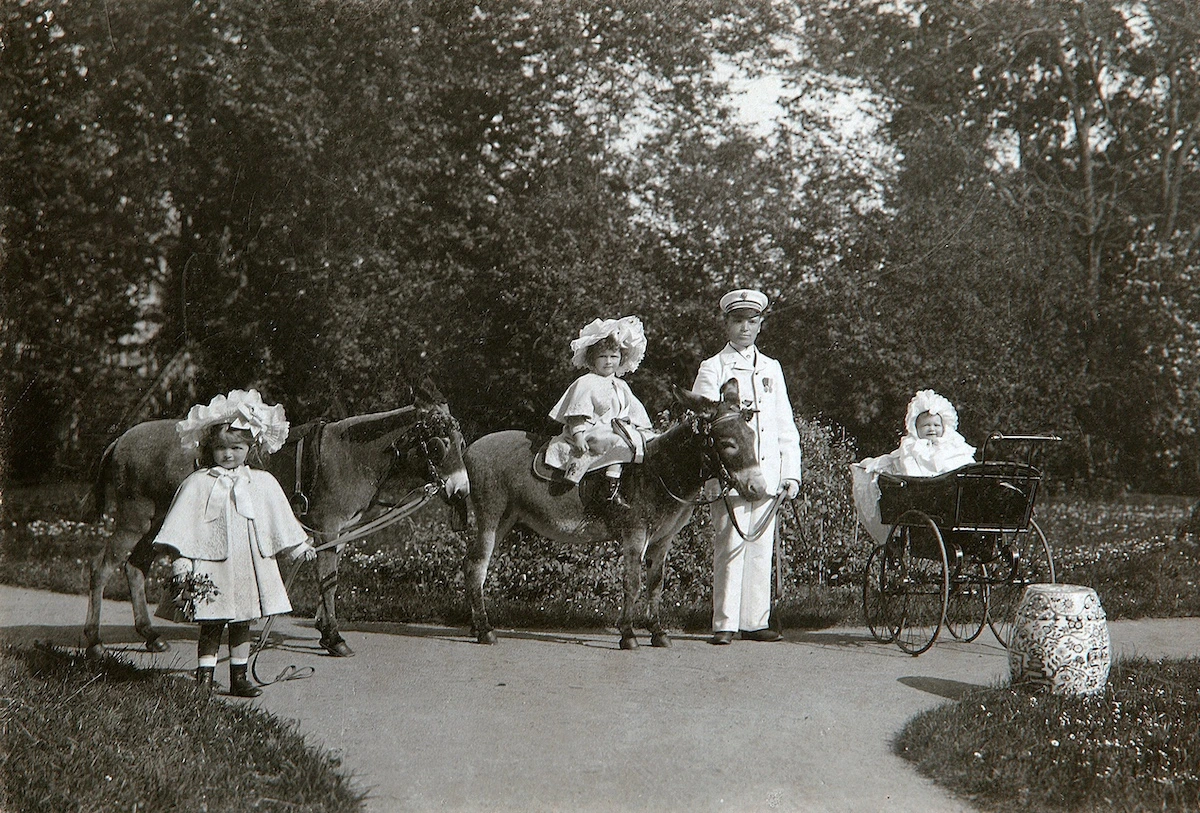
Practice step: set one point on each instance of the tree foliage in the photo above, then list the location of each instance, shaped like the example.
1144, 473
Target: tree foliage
1076, 123
329, 199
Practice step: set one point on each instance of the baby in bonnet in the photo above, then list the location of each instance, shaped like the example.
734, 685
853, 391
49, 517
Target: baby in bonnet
931, 445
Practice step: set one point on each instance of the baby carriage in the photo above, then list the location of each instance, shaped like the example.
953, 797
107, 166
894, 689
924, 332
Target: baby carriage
955, 551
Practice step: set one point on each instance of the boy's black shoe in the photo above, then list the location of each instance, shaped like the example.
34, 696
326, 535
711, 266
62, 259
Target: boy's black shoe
721, 638
767, 634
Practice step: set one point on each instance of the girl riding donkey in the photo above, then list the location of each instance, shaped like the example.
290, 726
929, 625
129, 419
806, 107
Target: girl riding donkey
225, 528
603, 421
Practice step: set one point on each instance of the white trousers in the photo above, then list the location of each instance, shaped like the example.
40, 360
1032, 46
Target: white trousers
741, 569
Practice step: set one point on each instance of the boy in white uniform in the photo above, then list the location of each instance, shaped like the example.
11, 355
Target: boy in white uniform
742, 567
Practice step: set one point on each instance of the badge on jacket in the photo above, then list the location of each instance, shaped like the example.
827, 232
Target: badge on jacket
766, 385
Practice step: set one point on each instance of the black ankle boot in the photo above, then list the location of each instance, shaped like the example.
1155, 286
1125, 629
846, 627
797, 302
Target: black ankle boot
204, 680
614, 493
239, 684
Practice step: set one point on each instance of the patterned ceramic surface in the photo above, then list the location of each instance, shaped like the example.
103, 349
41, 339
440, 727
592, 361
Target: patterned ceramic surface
1061, 639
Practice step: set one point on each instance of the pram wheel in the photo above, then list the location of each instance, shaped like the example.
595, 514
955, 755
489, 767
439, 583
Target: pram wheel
916, 543
966, 604
1024, 560
882, 596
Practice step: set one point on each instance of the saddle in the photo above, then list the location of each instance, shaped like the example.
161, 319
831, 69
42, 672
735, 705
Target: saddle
635, 442
592, 488
542, 470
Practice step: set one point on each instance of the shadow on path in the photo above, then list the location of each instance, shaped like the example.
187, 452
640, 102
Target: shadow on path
950, 689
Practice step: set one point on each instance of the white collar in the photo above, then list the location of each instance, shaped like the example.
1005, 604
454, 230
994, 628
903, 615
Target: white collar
750, 354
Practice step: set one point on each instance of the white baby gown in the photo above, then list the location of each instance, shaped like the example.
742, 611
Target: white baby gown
916, 457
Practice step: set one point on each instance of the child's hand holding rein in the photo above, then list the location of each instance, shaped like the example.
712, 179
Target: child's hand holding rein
303, 552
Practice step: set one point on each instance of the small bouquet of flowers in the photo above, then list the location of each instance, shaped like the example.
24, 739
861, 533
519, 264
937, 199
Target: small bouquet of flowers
189, 591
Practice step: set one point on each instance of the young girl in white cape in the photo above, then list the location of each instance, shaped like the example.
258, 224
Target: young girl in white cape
225, 528
598, 402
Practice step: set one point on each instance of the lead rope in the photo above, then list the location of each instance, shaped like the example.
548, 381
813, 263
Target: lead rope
763, 523
418, 496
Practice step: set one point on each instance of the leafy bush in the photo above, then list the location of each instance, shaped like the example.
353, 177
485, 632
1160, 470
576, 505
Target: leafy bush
820, 530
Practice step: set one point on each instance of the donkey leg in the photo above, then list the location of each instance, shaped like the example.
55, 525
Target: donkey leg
136, 568
331, 639
475, 567
656, 560
101, 571
631, 551
133, 521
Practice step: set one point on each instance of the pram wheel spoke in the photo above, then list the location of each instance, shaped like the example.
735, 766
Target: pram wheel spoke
1025, 560
966, 604
917, 544
883, 596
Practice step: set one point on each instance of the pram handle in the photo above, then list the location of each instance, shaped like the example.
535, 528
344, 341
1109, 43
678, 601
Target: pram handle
1000, 436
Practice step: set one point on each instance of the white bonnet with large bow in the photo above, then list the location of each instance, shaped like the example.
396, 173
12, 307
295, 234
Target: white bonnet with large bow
629, 334
241, 409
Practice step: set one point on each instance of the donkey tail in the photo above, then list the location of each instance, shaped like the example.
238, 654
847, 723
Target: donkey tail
95, 500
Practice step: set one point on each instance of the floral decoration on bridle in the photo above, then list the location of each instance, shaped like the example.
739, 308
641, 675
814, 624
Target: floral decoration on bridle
432, 433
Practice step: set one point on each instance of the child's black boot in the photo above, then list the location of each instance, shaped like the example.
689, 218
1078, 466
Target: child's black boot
239, 684
204, 680
614, 492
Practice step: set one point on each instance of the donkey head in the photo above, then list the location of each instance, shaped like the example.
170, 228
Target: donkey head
725, 427
440, 441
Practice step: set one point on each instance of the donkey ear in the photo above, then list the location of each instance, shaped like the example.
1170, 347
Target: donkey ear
692, 401
428, 391
730, 392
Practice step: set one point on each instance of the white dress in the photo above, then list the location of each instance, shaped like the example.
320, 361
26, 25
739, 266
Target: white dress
232, 524
599, 400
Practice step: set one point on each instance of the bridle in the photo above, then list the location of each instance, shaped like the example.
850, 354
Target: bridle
432, 433
703, 426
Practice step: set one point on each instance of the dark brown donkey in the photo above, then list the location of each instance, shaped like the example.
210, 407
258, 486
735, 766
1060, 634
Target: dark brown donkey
348, 470
712, 440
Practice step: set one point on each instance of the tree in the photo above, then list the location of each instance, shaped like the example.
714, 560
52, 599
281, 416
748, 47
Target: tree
1085, 116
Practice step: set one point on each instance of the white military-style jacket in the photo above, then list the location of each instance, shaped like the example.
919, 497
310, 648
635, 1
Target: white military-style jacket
761, 386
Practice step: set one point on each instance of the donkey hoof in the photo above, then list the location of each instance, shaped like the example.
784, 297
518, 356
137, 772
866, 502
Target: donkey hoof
486, 637
629, 642
157, 645
338, 648
96, 652
660, 639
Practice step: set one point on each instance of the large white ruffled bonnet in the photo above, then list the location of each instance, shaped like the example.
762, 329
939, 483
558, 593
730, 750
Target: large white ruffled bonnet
630, 336
929, 401
241, 409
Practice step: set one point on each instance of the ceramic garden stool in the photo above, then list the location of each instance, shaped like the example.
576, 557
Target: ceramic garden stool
1060, 640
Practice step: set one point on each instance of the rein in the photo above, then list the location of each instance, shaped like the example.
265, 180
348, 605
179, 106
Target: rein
767, 518
419, 497
426, 429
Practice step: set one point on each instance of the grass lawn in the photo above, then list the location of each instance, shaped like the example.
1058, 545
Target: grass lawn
1133, 748
87, 735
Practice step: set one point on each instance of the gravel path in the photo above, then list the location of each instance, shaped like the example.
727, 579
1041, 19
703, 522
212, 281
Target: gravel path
426, 719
